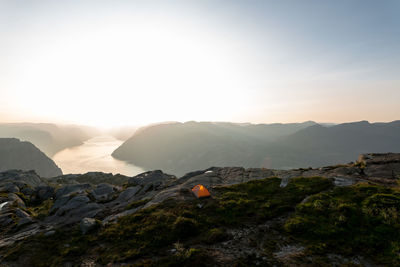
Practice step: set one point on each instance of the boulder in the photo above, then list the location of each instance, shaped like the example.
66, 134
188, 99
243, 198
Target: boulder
128, 194
73, 210
49, 233
153, 177
9, 188
380, 165
69, 189
6, 219
104, 192
26, 177
21, 214
61, 201
28, 191
344, 181
44, 192
87, 224
15, 199
4, 205
75, 203
89, 210
25, 221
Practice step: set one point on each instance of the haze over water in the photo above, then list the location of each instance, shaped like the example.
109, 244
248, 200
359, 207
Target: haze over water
94, 155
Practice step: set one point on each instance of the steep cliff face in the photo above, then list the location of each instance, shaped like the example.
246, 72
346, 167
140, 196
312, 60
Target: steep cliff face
15, 154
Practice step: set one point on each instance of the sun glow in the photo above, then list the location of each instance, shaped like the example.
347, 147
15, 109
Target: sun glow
141, 70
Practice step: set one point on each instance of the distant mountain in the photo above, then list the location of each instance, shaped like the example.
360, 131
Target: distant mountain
15, 154
181, 147
319, 145
49, 138
122, 133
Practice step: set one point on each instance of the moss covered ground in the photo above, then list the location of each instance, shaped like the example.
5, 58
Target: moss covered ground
357, 220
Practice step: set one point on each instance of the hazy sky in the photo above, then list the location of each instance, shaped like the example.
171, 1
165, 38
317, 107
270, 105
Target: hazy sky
114, 62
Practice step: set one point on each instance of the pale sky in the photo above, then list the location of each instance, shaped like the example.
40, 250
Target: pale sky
112, 63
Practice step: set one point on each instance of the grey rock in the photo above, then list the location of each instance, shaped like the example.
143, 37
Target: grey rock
25, 177
156, 176
74, 203
103, 189
28, 191
4, 205
87, 224
69, 210
114, 217
49, 233
93, 178
44, 192
21, 213
284, 182
104, 192
381, 165
69, 189
147, 188
17, 200
6, 219
89, 210
343, 181
61, 201
9, 188
25, 221
128, 194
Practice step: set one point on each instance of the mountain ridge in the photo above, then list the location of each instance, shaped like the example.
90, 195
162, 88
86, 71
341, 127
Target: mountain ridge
180, 147
15, 154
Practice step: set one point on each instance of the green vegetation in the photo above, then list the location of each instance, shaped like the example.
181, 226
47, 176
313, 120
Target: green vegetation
361, 219
215, 235
259, 200
357, 220
136, 204
157, 228
42, 210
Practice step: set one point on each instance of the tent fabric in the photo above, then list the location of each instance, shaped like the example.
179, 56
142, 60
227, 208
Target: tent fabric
200, 191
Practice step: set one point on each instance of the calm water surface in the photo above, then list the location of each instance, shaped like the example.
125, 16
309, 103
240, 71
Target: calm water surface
94, 155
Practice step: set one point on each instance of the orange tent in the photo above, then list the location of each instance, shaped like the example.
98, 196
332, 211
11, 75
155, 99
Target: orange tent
200, 191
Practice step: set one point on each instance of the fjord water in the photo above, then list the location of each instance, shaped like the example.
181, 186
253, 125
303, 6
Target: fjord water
94, 155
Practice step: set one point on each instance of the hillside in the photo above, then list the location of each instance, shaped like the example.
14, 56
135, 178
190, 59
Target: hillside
49, 138
180, 147
15, 154
319, 145
344, 215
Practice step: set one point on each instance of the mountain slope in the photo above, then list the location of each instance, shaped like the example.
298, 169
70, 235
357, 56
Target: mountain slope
49, 138
15, 154
181, 147
318, 145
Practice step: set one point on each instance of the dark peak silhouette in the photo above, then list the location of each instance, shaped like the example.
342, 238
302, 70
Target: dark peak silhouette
18, 155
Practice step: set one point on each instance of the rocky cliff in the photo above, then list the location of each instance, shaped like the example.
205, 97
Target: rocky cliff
346, 214
15, 154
